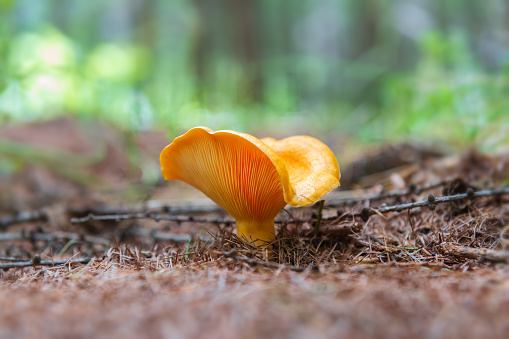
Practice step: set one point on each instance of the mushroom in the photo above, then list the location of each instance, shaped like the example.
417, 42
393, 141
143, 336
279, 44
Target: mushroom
252, 179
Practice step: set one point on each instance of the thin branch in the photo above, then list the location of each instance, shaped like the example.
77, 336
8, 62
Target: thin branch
12, 259
21, 217
433, 201
253, 262
159, 217
158, 206
51, 236
481, 254
412, 189
376, 247
152, 205
37, 262
154, 216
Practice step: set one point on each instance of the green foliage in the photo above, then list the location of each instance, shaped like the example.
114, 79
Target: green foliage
337, 67
449, 97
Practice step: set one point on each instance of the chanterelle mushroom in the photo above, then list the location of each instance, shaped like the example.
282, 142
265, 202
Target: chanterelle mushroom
252, 179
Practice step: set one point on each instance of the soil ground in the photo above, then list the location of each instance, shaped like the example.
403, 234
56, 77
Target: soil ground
420, 272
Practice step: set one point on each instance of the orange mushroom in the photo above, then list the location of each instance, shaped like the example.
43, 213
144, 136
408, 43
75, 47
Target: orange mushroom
252, 179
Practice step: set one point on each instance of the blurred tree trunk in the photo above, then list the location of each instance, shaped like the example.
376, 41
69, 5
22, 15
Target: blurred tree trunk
239, 32
245, 23
364, 28
203, 46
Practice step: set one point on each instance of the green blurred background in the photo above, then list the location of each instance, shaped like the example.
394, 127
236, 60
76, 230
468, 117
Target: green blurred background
371, 70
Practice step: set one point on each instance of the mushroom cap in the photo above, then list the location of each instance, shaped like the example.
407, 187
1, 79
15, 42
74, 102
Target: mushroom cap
236, 170
251, 179
311, 165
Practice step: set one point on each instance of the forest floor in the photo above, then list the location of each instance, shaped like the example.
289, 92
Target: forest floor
92, 246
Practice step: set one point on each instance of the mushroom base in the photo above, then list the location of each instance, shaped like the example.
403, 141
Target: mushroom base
259, 233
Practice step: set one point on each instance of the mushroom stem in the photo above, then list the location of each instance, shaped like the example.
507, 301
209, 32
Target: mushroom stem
256, 232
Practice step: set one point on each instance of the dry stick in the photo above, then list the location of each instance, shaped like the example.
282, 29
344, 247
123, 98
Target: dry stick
155, 216
50, 236
473, 253
193, 208
36, 261
254, 262
154, 206
12, 259
433, 201
504, 235
22, 217
365, 213
412, 189
159, 217
381, 248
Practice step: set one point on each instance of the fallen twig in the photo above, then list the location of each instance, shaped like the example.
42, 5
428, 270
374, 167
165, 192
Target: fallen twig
481, 254
152, 205
21, 217
12, 259
412, 189
432, 201
154, 216
37, 262
50, 236
157, 206
376, 247
159, 217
